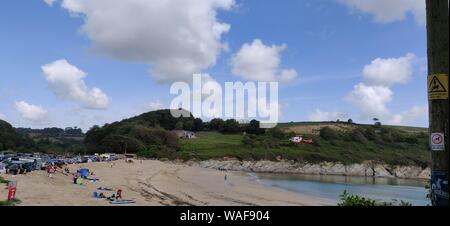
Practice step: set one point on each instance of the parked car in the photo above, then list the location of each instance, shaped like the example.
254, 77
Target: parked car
13, 169
60, 163
2, 168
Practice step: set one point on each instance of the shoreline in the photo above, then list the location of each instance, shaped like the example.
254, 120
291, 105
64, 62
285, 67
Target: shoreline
368, 169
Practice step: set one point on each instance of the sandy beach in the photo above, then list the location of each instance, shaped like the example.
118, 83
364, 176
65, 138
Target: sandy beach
154, 183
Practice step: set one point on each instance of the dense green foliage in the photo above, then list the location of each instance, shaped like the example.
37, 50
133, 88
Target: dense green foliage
10, 203
148, 134
52, 132
10, 139
254, 128
347, 148
3, 181
48, 140
355, 200
328, 134
230, 126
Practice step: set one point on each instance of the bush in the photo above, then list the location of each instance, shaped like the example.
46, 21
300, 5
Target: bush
158, 152
3, 181
198, 125
10, 203
216, 124
277, 133
271, 143
189, 125
248, 141
254, 127
359, 137
387, 137
231, 126
355, 200
370, 134
412, 140
328, 134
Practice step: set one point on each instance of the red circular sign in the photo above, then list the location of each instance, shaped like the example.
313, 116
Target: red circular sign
437, 139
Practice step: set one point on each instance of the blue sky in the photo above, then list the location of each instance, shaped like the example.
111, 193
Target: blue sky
328, 45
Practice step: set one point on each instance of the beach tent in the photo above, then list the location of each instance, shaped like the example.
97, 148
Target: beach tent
84, 173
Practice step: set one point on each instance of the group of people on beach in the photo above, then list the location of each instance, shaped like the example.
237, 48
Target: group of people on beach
78, 177
51, 169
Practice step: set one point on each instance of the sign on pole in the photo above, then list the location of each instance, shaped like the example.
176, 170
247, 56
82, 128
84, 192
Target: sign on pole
437, 142
438, 87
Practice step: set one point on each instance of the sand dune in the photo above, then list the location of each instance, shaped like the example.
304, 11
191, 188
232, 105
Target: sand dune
153, 183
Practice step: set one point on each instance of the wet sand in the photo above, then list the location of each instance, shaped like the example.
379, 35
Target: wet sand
153, 183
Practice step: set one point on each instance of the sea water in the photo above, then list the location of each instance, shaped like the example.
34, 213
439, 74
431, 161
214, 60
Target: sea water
331, 187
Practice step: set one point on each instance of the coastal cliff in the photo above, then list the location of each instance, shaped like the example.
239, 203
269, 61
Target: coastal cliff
365, 169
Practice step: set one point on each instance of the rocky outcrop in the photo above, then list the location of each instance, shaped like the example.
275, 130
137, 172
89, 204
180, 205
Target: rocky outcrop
366, 169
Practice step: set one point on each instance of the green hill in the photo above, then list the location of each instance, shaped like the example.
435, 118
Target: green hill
335, 142
146, 134
48, 140
345, 148
10, 139
149, 136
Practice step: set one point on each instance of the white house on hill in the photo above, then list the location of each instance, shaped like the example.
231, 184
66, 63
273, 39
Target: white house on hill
183, 134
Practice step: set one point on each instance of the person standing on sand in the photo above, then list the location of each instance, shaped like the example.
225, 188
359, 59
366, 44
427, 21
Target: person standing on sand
226, 177
75, 178
49, 171
119, 194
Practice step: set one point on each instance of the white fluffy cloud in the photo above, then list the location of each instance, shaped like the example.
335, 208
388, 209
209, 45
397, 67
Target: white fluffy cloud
322, 116
50, 2
409, 117
31, 112
177, 38
372, 96
66, 81
386, 11
2, 116
387, 72
258, 62
371, 100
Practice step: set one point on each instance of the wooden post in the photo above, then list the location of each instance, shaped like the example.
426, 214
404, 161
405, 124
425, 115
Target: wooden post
438, 63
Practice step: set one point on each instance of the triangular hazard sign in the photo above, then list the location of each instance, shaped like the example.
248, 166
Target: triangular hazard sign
436, 86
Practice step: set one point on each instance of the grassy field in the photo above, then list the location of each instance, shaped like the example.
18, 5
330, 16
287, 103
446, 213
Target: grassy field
215, 145
309, 127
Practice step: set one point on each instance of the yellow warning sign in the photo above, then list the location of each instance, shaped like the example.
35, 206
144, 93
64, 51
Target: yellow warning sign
438, 87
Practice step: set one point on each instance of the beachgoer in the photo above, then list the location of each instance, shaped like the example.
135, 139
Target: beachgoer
49, 171
75, 178
80, 181
119, 194
112, 197
226, 177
